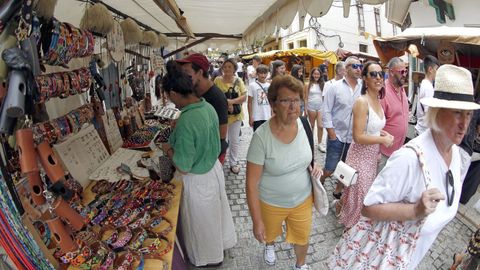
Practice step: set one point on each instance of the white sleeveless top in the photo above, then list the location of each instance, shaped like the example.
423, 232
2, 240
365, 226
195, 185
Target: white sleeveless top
374, 123
315, 93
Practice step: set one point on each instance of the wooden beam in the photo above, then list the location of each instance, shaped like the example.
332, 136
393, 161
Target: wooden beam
136, 54
211, 35
187, 46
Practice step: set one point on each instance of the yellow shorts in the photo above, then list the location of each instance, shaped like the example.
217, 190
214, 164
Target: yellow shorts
298, 220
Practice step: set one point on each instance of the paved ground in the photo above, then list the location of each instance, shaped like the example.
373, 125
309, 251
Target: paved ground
248, 253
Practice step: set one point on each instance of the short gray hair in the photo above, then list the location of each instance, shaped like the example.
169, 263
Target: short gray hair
394, 62
338, 66
431, 118
351, 59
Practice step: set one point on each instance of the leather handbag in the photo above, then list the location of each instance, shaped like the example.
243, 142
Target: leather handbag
345, 174
320, 199
232, 94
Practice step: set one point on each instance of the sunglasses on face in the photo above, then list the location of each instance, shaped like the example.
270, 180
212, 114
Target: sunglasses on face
449, 183
356, 66
403, 71
375, 74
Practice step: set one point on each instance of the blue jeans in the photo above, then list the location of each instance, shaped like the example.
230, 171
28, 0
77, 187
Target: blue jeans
334, 152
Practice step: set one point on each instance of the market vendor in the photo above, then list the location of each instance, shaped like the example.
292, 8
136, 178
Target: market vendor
206, 221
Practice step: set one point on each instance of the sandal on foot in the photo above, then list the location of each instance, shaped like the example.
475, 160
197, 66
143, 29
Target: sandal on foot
235, 169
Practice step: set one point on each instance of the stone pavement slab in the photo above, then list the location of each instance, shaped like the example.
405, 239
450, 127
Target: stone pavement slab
326, 231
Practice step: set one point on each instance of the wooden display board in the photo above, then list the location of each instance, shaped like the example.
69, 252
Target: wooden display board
107, 170
114, 137
82, 154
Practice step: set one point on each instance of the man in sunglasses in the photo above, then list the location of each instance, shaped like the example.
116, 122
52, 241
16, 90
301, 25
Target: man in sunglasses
218, 72
395, 107
337, 107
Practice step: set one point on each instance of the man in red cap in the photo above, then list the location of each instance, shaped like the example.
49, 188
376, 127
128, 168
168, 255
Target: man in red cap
196, 66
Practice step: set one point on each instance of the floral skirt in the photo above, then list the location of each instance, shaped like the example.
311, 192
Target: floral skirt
363, 158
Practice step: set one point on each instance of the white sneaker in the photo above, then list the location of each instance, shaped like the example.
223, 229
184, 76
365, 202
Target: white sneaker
321, 147
303, 267
269, 254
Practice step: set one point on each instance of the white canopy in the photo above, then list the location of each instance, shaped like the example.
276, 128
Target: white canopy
250, 19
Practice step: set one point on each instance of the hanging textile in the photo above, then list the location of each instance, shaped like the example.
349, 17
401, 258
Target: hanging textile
112, 93
15, 238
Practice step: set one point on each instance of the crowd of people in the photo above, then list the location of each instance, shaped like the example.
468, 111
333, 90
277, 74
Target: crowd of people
405, 190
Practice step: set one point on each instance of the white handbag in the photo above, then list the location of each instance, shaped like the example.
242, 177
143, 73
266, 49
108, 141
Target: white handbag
345, 174
320, 199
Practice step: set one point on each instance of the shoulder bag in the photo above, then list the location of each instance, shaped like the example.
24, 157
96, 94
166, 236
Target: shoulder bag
343, 172
232, 94
380, 244
320, 199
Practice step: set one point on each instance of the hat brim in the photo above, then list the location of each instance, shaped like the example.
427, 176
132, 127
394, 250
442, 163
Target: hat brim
449, 104
183, 61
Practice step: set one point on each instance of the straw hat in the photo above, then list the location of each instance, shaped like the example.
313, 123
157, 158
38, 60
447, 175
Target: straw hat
453, 89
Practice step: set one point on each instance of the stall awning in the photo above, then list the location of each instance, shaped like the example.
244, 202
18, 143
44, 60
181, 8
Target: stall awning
329, 56
465, 40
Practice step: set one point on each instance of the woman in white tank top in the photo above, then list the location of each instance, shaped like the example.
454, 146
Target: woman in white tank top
368, 122
314, 103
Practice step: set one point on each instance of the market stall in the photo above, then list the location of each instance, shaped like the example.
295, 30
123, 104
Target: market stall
85, 182
308, 57
453, 45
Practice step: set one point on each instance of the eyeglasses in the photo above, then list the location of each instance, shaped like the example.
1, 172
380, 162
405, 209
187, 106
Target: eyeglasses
448, 183
403, 71
220, 62
375, 74
356, 66
288, 101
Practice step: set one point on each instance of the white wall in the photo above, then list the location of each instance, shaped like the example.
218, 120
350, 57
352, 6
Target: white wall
466, 12
335, 24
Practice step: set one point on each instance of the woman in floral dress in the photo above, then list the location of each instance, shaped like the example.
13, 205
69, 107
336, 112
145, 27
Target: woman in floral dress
368, 121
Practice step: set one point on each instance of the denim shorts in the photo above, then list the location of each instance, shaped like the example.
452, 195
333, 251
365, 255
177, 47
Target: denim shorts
334, 152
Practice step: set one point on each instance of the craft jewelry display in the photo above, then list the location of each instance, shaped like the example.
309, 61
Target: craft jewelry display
59, 128
63, 84
132, 223
167, 112
62, 41
142, 137
163, 135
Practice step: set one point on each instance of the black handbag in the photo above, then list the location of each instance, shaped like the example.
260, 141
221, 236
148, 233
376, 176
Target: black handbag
232, 94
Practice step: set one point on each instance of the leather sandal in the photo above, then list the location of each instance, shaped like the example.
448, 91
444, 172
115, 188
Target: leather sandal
235, 169
337, 195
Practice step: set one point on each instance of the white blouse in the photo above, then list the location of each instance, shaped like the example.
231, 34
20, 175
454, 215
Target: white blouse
402, 180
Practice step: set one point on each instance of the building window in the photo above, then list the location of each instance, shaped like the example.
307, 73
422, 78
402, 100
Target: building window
302, 43
290, 45
361, 18
394, 30
378, 24
363, 48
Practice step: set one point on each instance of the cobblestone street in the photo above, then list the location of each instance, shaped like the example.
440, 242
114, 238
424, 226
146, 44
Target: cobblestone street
248, 253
